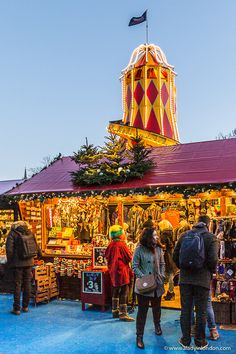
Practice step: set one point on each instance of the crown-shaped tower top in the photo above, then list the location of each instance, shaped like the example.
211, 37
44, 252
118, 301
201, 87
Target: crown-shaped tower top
149, 98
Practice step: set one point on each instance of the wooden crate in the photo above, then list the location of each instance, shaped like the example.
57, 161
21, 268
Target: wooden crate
42, 296
51, 269
40, 272
222, 312
53, 279
54, 292
42, 284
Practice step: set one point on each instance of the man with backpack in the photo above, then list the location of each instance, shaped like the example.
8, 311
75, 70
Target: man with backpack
196, 254
21, 248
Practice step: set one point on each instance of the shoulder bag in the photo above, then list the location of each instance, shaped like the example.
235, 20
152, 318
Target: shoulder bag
147, 283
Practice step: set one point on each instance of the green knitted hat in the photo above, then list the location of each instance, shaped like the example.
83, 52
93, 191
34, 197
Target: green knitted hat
115, 232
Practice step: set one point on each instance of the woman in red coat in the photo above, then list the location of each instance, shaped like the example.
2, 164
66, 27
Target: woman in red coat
118, 258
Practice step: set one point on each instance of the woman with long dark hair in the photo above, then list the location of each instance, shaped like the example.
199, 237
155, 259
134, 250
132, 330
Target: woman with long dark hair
148, 259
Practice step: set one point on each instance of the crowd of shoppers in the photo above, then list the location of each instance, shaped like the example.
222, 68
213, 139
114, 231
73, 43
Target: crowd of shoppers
196, 255
155, 260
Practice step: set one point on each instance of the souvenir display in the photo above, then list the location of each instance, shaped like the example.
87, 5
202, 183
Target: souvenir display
224, 281
70, 267
6, 219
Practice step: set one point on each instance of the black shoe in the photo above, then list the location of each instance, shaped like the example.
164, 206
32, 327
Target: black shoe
158, 330
169, 296
139, 342
184, 344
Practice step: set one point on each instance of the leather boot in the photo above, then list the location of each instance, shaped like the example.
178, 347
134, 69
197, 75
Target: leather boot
124, 314
139, 341
115, 307
158, 330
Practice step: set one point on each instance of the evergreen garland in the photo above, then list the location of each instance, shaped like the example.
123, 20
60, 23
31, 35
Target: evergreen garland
112, 163
185, 191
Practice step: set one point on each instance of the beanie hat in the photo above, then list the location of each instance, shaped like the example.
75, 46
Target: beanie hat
165, 225
116, 232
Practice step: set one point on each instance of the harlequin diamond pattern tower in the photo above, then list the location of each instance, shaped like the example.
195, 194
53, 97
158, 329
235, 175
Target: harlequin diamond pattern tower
149, 98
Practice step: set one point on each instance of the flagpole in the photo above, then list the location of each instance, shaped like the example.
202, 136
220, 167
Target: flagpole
147, 30
146, 36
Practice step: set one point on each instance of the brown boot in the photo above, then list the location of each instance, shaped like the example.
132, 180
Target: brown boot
124, 314
25, 309
115, 307
15, 312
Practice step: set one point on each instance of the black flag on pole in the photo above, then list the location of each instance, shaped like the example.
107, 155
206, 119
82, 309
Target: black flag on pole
137, 20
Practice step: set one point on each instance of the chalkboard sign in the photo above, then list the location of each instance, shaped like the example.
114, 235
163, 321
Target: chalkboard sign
92, 282
99, 260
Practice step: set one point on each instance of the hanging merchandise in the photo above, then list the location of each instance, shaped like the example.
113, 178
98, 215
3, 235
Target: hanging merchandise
154, 211
114, 217
72, 223
172, 215
135, 219
222, 249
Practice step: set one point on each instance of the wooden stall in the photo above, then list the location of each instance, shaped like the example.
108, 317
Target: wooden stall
187, 180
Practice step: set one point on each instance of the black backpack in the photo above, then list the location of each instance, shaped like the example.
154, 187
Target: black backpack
26, 246
192, 251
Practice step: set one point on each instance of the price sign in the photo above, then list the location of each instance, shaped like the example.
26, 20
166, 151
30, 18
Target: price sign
99, 260
92, 282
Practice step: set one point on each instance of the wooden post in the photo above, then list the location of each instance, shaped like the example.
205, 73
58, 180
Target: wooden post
222, 206
120, 213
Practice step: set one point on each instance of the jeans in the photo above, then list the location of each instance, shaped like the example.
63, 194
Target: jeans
210, 314
22, 277
189, 295
143, 305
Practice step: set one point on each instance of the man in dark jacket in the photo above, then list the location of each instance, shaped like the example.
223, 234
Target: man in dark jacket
195, 285
22, 268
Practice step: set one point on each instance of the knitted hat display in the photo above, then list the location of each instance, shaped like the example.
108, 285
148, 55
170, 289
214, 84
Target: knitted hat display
116, 232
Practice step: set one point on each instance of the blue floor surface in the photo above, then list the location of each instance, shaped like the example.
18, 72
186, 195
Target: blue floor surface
61, 327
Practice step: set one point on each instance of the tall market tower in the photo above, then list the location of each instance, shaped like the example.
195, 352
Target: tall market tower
149, 99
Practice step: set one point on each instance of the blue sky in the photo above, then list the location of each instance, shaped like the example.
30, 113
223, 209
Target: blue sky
60, 62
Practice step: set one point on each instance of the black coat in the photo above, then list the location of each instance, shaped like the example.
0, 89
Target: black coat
166, 237
13, 259
203, 276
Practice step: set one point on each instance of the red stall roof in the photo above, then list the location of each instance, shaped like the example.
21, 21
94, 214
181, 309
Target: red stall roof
205, 162
7, 185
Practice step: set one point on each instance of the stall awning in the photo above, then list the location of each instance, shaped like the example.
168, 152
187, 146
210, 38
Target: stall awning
205, 162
